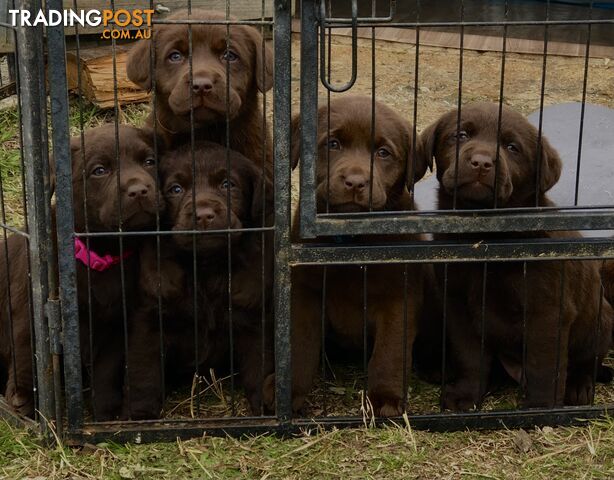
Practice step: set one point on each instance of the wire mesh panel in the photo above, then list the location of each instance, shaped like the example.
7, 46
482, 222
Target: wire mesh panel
184, 280
481, 327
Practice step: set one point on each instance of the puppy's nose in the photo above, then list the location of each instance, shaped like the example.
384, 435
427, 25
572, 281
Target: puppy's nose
355, 181
137, 190
205, 215
480, 161
202, 85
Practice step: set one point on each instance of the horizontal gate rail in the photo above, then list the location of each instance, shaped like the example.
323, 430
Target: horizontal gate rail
143, 432
440, 252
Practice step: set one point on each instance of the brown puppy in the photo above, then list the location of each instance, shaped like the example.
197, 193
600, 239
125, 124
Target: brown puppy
346, 188
239, 68
568, 323
195, 304
97, 163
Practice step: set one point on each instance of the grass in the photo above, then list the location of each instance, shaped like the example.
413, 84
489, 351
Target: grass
82, 115
389, 452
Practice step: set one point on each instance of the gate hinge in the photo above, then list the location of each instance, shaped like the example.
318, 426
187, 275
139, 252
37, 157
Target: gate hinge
52, 310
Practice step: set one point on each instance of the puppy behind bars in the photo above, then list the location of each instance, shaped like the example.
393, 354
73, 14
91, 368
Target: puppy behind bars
199, 86
393, 293
189, 277
101, 181
547, 324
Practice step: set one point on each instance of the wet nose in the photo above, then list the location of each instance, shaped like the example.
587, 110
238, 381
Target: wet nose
137, 190
482, 162
202, 85
205, 215
355, 181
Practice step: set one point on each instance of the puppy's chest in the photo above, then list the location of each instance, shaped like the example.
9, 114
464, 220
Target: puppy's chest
109, 291
354, 295
505, 293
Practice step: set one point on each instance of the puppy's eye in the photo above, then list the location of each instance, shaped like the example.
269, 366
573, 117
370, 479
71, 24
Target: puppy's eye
334, 144
512, 147
230, 56
227, 184
149, 162
175, 56
175, 189
100, 171
462, 135
383, 153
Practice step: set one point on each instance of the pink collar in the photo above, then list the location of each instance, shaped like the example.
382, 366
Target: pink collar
95, 261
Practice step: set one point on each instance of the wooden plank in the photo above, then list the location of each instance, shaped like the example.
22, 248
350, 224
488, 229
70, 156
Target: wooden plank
97, 77
6, 34
7, 90
434, 38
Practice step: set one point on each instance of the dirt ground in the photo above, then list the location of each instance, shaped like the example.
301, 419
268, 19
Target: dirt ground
438, 78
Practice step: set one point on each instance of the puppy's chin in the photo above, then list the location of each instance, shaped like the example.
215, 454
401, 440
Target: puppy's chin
348, 207
205, 245
206, 110
131, 221
477, 194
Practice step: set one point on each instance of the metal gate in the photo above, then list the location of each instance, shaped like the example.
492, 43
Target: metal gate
59, 360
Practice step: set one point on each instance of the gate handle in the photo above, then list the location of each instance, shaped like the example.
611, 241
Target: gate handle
323, 79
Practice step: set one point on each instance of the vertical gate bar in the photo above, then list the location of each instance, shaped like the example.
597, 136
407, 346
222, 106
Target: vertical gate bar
65, 223
309, 116
30, 46
12, 66
281, 131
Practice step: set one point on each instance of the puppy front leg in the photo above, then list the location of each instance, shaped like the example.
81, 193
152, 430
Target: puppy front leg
306, 344
472, 365
254, 362
547, 354
108, 375
394, 338
19, 387
143, 387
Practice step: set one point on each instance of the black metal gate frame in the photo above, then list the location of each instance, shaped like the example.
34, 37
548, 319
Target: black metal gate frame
51, 297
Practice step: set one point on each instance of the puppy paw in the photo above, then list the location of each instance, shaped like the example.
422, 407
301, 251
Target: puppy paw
579, 391
268, 396
385, 404
268, 392
390, 409
20, 400
459, 399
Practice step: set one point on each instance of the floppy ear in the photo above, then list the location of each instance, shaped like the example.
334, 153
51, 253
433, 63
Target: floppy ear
264, 61
262, 197
139, 64
417, 162
425, 147
551, 166
296, 141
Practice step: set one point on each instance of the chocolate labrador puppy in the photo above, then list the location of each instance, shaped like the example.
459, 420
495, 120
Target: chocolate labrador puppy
349, 186
99, 279
226, 75
194, 323
567, 322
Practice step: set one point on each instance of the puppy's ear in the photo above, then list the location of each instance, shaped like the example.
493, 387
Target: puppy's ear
551, 166
296, 141
139, 64
425, 148
417, 161
262, 197
264, 61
